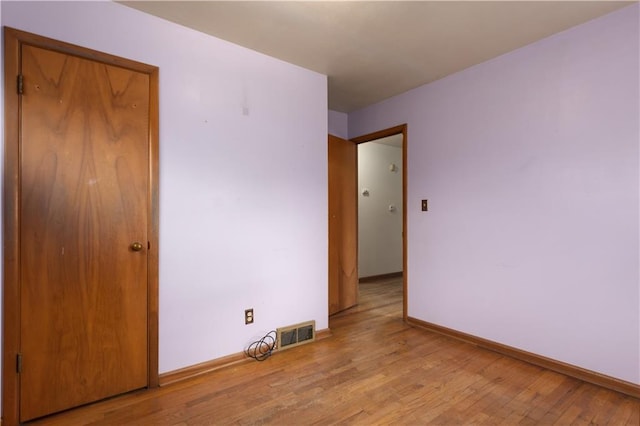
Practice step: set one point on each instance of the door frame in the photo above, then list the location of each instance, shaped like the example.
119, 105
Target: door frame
369, 137
13, 40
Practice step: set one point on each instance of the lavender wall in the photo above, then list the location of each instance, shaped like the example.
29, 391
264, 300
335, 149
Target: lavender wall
338, 124
530, 164
243, 176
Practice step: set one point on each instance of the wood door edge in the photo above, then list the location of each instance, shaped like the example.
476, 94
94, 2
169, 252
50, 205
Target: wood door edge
13, 39
10, 286
343, 288
153, 231
395, 130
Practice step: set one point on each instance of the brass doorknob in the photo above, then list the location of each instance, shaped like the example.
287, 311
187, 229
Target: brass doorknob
136, 246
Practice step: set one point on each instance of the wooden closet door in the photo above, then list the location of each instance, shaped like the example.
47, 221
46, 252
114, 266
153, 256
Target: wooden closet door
84, 170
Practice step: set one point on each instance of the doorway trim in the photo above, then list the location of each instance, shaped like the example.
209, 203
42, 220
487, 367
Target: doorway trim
400, 129
13, 40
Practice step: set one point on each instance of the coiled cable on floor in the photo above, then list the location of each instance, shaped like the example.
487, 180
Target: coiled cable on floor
262, 349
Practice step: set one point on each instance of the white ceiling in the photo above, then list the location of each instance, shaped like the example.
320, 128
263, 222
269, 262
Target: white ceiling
372, 50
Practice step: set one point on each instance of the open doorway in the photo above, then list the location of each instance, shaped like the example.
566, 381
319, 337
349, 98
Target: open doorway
394, 136
380, 212
380, 209
343, 206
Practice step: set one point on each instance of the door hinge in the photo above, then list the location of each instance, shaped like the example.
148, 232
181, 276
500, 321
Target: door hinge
19, 363
20, 84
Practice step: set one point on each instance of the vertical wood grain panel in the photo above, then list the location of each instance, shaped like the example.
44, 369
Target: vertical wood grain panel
11, 289
343, 225
82, 205
83, 180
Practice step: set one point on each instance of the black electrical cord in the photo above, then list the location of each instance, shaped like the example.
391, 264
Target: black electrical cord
262, 349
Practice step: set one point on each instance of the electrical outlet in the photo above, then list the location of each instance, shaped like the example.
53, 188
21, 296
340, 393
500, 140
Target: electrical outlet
248, 316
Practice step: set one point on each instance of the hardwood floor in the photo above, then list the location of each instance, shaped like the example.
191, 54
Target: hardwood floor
373, 370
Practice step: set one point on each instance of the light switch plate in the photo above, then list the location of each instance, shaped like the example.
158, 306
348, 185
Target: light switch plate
425, 206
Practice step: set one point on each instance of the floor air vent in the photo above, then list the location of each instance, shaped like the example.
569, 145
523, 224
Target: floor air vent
296, 335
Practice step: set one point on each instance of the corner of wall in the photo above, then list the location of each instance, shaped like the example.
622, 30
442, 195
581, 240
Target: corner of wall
338, 124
